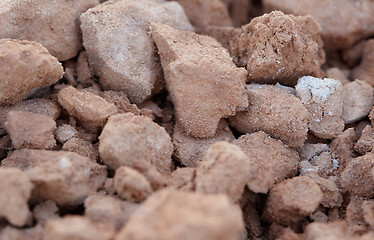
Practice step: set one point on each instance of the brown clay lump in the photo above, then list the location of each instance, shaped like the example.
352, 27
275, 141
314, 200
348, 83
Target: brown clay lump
274, 111
15, 188
171, 214
25, 67
128, 138
203, 82
90, 109
120, 51
278, 47
323, 99
41, 21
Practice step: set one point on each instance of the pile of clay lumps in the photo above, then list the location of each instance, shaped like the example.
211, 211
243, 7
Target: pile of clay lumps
186, 119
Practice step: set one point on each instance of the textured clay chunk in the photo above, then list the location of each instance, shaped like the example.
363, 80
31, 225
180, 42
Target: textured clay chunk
45, 212
82, 147
274, 111
358, 176
358, 100
183, 179
203, 82
170, 215
366, 142
24, 67
15, 188
323, 99
90, 109
109, 210
365, 70
127, 138
64, 177
65, 132
224, 169
202, 13
131, 185
270, 160
11, 233
190, 150
341, 26
77, 227
342, 147
119, 48
30, 130
278, 47
292, 200
41, 21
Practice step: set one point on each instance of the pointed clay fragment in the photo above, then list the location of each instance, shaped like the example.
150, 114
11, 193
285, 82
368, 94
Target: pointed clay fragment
203, 82
24, 67
119, 48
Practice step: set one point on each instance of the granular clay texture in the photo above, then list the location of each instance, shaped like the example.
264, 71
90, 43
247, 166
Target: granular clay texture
128, 138
338, 30
273, 111
203, 83
42, 22
280, 48
324, 101
119, 49
24, 67
162, 217
186, 119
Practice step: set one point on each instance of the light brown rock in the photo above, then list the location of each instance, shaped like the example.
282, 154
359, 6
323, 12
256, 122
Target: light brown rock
82, 147
323, 99
15, 188
368, 212
127, 138
280, 48
123, 103
45, 211
25, 67
131, 185
225, 169
270, 161
84, 71
64, 177
366, 142
338, 74
30, 130
342, 147
202, 217
292, 200
91, 110
77, 227
150, 172
202, 13
341, 26
189, 150
357, 176
108, 210
358, 100
120, 51
203, 83
274, 111
42, 21
12, 233
65, 132
183, 179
